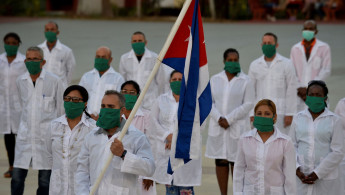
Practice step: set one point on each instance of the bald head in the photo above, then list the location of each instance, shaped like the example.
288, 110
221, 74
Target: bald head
103, 52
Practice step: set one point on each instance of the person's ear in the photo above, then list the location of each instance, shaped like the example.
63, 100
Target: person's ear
316, 31
277, 45
145, 42
110, 60
274, 118
57, 32
43, 63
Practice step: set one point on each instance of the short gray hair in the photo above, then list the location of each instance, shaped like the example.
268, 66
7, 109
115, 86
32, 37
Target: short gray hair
122, 100
35, 48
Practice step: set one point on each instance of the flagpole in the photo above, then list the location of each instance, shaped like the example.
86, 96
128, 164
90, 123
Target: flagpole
147, 85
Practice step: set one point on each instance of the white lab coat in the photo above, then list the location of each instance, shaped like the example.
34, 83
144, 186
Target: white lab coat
340, 111
121, 177
232, 100
319, 149
265, 168
163, 120
131, 69
318, 66
97, 86
41, 104
64, 148
278, 83
60, 61
140, 121
10, 106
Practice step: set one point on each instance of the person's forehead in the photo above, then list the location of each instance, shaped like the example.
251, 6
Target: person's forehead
309, 25
268, 38
110, 99
50, 25
129, 86
316, 89
33, 54
102, 51
138, 36
232, 55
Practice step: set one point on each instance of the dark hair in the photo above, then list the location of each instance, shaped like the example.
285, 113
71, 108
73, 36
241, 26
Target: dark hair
83, 92
173, 72
13, 35
133, 83
273, 35
139, 33
319, 83
230, 50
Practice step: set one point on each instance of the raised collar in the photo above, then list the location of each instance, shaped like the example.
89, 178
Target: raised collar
19, 58
241, 75
109, 71
58, 45
63, 120
147, 54
325, 113
42, 75
312, 44
277, 58
276, 135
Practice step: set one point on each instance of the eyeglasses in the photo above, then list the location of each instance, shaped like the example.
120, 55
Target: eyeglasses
132, 92
73, 99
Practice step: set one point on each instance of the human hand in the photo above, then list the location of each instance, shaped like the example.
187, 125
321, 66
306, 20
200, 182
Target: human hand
168, 141
287, 120
302, 93
311, 178
147, 184
117, 148
223, 123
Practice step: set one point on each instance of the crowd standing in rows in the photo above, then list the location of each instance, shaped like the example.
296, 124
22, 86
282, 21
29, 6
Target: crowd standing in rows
296, 145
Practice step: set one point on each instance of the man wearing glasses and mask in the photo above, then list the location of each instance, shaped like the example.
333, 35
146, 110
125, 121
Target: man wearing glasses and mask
40, 95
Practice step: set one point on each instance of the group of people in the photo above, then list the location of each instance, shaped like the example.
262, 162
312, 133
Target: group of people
288, 143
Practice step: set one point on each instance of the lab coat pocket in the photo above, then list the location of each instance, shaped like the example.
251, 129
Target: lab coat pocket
48, 104
235, 131
214, 129
116, 162
275, 190
55, 182
248, 190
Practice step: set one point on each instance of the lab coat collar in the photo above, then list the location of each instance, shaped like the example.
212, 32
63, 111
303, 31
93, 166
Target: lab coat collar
318, 44
19, 58
119, 129
109, 71
277, 58
325, 113
276, 135
147, 54
63, 120
241, 75
58, 45
27, 75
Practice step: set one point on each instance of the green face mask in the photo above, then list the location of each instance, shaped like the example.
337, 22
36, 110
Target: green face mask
263, 124
130, 101
50, 36
176, 87
101, 64
308, 35
139, 48
269, 50
11, 50
108, 118
33, 67
74, 109
316, 104
232, 67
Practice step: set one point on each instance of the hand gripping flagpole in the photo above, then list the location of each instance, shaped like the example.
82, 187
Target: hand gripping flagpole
142, 94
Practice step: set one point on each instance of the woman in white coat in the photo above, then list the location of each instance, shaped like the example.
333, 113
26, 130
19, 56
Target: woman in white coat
317, 134
12, 65
131, 90
67, 136
163, 118
265, 162
232, 99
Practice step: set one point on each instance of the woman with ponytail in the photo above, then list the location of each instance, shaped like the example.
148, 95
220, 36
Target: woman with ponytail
67, 136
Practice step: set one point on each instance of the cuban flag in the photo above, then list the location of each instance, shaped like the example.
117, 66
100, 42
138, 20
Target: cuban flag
187, 54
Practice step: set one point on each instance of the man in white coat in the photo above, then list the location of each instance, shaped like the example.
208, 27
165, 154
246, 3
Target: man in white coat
41, 96
132, 156
100, 79
340, 111
312, 60
59, 58
274, 78
137, 65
